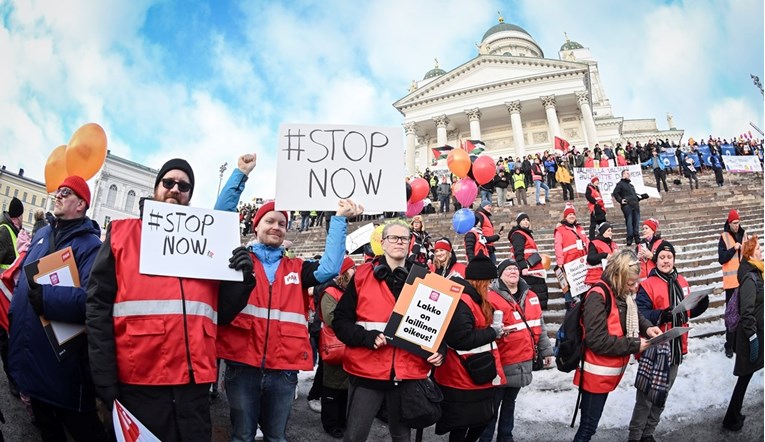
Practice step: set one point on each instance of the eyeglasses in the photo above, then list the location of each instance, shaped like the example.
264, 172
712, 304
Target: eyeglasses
393, 239
64, 192
169, 183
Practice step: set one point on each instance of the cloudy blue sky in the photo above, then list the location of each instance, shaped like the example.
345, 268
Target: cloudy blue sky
209, 80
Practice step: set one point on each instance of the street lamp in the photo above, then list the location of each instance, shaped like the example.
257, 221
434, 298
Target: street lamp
756, 81
222, 169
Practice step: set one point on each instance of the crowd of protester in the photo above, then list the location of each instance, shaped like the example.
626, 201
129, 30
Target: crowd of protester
155, 342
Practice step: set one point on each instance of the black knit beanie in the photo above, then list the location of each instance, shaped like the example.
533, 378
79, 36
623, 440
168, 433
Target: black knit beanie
505, 264
664, 246
480, 268
180, 164
16, 208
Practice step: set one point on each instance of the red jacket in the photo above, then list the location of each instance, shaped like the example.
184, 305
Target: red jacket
453, 374
570, 243
373, 309
602, 373
518, 345
647, 265
278, 311
595, 192
163, 326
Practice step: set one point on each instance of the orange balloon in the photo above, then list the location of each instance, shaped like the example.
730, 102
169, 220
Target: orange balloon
458, 162
55, 168
546, 261
86, 151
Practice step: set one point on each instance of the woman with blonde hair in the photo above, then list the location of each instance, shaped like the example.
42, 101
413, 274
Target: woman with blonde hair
749, 330
610, 336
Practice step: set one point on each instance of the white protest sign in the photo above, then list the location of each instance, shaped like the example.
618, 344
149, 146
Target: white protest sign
188, 242
359, 237
319, 164
425, 317
609, 177
748, 163
576, 271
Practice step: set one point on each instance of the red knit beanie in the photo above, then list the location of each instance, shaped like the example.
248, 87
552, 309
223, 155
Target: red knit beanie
265, 208
652, 224
733, 215
594, 180
569, 210
443, 244
347, 264
78, 186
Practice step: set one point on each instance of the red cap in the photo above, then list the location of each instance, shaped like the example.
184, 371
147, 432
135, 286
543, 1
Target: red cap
78, 186
569, 210
652, 224
265, 208
347, 264
594, 180
733, 215
442, 245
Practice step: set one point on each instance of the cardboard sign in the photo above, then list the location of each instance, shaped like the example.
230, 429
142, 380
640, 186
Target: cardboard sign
358, 238
422, 312
742, 164
320, 164
188, 242
609, 177
576, 271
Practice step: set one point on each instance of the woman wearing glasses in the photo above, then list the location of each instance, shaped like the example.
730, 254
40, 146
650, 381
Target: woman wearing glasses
372, 364
610, 337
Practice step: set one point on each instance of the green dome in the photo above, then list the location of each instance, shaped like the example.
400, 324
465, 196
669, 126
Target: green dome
570, 46
434, 73
501, 27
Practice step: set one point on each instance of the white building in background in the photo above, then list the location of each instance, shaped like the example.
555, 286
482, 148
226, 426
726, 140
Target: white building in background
118, 187
517, 101
30, 192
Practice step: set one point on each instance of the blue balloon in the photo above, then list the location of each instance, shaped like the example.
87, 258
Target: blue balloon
463, 220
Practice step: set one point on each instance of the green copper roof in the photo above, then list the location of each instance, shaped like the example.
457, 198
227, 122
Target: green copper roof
500, 27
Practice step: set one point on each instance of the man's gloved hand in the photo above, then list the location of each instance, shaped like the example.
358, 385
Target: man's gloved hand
35, 296
241, 260
644, 196
666, 316
498, 329
108, 395
754, 348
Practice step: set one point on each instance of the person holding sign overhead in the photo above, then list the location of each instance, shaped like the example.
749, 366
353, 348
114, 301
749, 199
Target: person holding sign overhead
62, 393
373, 365
657, 296
152, 338
267, 343
472, 366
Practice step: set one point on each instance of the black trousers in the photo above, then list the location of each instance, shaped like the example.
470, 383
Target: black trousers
54, 422
173, 413
733, 414
593, 226
567, 190
661, 177
333, 408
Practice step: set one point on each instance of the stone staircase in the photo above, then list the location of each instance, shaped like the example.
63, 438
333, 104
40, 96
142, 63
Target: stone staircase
691, 220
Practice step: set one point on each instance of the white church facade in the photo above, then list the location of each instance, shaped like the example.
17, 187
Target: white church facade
517, 101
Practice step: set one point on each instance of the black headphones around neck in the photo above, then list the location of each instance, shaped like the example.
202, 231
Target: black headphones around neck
382, 271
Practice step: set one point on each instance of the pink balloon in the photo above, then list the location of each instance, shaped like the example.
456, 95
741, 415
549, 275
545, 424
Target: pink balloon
414, 208
465, 191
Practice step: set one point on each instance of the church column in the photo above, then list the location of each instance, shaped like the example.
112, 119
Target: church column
474, 116
583, 100
514, 107
548, 102
441, 122
410, 130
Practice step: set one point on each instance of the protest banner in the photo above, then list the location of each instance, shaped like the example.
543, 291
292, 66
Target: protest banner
358, 238
127, 428
319, 164
422, 312
188, 242
668, 158
609, 177
728, 149
575, 272
742, 164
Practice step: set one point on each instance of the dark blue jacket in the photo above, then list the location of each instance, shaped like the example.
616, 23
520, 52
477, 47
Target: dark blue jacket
33, 363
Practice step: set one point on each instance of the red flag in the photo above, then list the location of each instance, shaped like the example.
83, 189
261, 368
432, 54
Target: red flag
561, 144
468, 146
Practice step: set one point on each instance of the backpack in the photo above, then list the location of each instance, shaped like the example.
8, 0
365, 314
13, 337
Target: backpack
732, 315
569, 340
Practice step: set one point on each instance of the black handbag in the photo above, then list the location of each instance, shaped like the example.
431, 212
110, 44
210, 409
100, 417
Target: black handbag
534, 259
481, 367
420, 402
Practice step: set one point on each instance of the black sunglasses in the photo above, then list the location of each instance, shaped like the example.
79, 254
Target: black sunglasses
169, 183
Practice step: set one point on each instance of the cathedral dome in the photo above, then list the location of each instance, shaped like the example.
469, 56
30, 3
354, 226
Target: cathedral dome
502, 26
435, 72
570, 45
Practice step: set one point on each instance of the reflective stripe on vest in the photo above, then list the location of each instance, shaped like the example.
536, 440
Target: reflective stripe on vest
603, 370
529, 251
277, 315
571, 247
170, 307
481, 349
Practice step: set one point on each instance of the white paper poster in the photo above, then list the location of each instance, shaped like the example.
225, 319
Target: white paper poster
188, 242
609, 177
576, 271
319, 164
741, 164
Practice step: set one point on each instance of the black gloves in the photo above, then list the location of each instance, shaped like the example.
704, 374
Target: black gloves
241, 260
644, 196
108, 395
35, 296
666, 316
